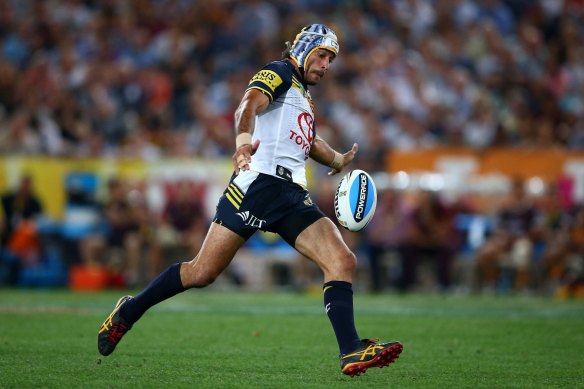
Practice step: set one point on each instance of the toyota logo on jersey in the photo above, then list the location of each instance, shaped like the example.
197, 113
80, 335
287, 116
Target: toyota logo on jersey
305, 135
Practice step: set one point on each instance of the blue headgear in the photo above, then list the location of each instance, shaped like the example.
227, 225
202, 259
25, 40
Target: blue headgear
310, 38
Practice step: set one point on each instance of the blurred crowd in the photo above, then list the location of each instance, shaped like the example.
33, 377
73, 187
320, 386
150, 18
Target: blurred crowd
111, 229
150, 79
418, 240
153, 79
528, 244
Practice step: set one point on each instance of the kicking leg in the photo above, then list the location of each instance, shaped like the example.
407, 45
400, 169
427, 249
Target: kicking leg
322, 243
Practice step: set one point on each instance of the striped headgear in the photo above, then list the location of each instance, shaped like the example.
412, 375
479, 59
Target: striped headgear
310, 38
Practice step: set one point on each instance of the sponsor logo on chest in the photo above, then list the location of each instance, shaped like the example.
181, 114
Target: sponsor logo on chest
304, 135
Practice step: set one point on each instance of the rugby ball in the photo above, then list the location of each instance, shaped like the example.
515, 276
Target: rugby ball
355, 200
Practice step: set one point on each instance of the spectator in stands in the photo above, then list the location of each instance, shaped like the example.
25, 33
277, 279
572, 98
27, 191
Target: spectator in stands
184, 220
509, 249
384, 235
429, 234
563, 258
20, 209
122, 222
20, 244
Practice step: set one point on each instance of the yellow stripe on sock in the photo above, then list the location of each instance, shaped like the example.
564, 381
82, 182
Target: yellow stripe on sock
326, 288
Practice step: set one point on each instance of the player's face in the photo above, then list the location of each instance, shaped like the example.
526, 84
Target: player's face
317, 65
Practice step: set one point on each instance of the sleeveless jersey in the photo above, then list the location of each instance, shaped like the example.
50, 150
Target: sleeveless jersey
286, 128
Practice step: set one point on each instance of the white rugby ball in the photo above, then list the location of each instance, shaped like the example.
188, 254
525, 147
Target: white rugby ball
355, 200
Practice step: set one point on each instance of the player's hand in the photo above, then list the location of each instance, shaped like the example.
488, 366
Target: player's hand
347, 159
242, 156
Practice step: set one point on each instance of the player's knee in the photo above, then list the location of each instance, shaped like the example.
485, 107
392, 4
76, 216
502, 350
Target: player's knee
347, 263
350, 262
199, 280
204, 280
195, 277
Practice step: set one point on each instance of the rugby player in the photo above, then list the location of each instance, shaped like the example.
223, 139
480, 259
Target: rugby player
275, 135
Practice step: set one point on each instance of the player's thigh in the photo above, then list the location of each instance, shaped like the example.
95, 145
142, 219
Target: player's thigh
216, 253
322, 243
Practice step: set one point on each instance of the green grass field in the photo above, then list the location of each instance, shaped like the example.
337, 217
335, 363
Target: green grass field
213, 339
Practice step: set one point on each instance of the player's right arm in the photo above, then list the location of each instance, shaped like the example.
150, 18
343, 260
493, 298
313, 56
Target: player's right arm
252, 103
264, 87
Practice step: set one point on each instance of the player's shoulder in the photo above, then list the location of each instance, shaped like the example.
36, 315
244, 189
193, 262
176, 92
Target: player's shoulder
283, 67
279, 71
274, 78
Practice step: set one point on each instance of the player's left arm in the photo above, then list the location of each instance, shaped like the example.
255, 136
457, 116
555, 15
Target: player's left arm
324, 154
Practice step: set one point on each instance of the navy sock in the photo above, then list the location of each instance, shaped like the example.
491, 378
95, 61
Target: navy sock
338, 303
166, 285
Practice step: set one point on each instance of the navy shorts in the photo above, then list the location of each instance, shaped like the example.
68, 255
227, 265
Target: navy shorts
255, 201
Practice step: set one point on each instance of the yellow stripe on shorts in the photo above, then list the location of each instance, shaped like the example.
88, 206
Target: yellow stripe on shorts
236, 194
235, 204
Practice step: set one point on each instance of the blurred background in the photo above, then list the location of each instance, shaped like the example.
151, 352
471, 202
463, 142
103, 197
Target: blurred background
116, 131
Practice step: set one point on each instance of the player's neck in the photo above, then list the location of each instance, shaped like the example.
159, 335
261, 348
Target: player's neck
299, 71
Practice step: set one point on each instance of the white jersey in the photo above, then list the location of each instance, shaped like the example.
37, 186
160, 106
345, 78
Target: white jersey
286, 128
